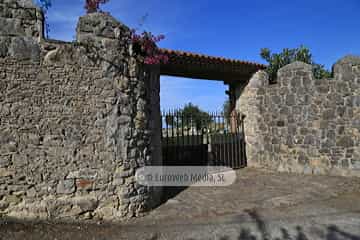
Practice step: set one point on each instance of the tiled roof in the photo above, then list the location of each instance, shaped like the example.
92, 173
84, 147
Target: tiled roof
206, 58
194, 65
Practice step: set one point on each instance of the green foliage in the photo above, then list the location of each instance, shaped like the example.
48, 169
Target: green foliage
226, 109
190, 116
320, 71
287, 56
193, 116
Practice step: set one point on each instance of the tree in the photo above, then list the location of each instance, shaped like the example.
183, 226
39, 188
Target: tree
193, 116
227, 109
287, 56
190, 116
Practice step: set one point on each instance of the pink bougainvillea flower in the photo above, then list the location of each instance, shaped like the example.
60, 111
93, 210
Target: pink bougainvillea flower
147, 43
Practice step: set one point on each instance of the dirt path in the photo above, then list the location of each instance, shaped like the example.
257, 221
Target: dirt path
260, 205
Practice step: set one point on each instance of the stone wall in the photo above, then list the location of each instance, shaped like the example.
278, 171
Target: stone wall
302, 124
21, 28
74, 120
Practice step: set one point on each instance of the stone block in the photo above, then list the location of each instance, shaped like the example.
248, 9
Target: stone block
310, 140
345, 141
12, 199
11, 27
6, 172
65, 186
4, 46
84, 184
259, 79
5, 161
86, 203
20, 160
9, 147
290, 100
24, 48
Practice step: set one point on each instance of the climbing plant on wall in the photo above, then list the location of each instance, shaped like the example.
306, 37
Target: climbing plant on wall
92, 6
144, 44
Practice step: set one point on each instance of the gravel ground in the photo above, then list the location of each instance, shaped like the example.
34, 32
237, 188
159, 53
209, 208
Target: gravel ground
260, 205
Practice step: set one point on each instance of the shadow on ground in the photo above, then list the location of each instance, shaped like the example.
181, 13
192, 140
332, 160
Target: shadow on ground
46, 230
170, 192
331, 232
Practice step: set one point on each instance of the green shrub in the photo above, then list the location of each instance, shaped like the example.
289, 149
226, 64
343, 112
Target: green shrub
287, 56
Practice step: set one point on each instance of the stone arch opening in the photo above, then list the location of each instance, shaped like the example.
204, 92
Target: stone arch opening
232, 73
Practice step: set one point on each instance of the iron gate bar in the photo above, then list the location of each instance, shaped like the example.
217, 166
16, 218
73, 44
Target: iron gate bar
215, 139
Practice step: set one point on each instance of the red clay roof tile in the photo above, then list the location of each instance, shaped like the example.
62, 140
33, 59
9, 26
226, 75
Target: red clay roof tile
176, 55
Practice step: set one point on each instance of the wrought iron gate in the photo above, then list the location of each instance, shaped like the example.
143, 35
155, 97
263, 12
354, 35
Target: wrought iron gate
210, 139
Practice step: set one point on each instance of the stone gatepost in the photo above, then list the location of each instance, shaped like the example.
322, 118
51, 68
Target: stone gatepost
249, 105
133, 125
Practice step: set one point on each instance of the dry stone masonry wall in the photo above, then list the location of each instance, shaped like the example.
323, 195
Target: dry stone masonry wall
78, 119
74, 119
21, 28
302, 124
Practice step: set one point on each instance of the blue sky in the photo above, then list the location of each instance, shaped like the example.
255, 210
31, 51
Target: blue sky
229, 28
